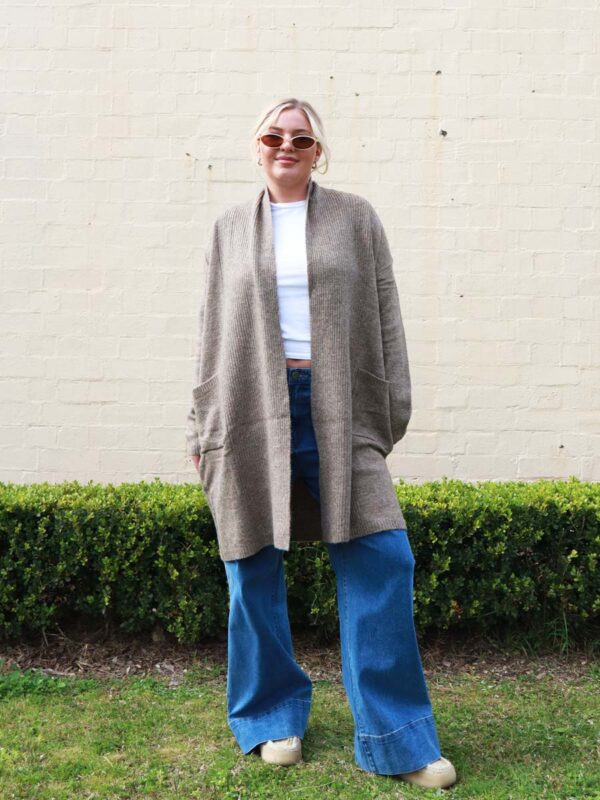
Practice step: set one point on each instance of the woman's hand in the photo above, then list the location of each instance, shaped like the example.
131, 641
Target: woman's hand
196, 461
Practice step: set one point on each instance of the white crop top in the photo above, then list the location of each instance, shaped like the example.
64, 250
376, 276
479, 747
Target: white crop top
289, 239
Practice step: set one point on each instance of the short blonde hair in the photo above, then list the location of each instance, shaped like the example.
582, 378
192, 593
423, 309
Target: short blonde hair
270, 114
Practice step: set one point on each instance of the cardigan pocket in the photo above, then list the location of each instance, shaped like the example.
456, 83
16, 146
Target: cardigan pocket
371, 409
210, 422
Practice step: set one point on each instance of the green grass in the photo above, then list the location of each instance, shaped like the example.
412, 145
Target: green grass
509, 739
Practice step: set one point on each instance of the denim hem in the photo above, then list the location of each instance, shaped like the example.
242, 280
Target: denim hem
286, 719
406, 749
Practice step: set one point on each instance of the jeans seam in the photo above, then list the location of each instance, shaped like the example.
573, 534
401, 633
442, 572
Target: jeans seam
350, 645
235, 721
406, 725
273, 598
280, 566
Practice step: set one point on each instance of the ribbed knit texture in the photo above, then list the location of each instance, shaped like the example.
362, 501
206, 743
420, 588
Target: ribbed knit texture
360, 381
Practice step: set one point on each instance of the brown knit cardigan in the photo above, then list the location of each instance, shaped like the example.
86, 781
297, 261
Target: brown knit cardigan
360, 382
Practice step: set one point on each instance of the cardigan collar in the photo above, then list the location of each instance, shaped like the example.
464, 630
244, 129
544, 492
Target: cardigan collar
263, 199
262, 229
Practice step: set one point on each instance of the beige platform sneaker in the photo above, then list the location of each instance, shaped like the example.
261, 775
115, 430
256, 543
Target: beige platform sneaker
437, 775
282, 751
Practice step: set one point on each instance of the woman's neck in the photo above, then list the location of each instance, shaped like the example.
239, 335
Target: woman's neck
287, 194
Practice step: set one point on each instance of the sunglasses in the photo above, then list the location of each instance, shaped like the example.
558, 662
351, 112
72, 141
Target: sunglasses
300, 142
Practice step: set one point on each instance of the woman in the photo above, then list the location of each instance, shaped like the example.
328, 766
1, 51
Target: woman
301, 389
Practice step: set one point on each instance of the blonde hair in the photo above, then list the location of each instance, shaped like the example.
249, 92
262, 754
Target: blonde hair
270, 114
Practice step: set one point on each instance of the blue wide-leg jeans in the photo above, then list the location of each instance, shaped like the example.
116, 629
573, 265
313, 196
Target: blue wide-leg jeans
268, 694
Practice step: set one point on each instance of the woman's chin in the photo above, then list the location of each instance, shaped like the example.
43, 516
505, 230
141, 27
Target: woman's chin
289, 174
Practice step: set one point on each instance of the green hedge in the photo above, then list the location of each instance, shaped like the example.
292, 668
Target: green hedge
138, 554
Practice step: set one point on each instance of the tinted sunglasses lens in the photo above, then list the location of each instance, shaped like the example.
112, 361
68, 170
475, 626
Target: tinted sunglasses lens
271, 139
276, 140
302, 142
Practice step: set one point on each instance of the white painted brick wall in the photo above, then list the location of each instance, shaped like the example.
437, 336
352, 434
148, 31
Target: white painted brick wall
123, 132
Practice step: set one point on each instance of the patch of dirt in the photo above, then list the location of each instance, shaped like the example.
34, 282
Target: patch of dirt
108, 653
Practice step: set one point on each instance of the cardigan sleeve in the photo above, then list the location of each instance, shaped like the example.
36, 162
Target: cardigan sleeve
395, 353
210, 295
191, 434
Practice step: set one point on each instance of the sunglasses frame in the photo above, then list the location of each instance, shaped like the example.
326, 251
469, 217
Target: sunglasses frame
297, 136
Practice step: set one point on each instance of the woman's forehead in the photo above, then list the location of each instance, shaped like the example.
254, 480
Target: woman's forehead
296, 130
296, 116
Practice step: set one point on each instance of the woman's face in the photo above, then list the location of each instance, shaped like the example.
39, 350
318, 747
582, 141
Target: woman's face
285, 164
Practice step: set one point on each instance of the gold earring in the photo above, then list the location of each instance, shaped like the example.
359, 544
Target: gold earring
259, 162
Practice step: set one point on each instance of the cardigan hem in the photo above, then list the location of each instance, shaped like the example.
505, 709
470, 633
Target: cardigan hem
234, 554
385, 524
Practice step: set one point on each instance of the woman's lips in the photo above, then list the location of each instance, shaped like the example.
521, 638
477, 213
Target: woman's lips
286, 160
